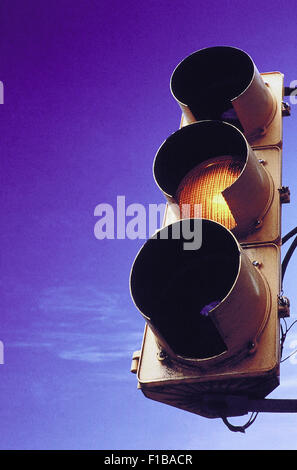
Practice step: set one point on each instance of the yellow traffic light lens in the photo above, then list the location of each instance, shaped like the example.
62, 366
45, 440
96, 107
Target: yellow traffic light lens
204, 185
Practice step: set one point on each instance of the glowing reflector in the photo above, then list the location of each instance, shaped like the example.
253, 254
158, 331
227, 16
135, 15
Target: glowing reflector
204, 185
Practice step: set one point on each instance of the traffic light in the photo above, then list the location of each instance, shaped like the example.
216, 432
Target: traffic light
223, 83
211, 163
208, 282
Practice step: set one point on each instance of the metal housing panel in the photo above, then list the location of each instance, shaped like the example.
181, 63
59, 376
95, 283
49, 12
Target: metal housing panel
257, 374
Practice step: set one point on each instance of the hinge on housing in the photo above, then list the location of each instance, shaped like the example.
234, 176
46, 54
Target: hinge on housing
135, 362
283, 307
286, 109
284, 192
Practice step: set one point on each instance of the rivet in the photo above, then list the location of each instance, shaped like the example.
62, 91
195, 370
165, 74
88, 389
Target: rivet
162, 355
257, 263
251, 346
258, 224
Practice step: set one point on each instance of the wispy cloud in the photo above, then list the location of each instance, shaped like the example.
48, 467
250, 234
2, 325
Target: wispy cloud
289, 382
82, 300
91, 355
83, 323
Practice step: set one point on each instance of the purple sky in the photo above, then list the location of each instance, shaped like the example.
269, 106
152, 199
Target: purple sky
87, 105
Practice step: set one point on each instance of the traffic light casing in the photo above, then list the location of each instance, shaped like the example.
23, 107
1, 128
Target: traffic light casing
249, 366
253, 197
223, 83
244, 320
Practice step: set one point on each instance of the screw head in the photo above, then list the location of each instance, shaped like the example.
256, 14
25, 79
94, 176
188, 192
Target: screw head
252, 346
162, 355
257, 263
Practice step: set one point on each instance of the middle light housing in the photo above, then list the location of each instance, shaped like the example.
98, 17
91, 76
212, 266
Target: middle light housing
210, 163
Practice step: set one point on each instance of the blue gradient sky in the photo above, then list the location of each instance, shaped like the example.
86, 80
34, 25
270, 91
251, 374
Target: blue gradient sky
87, 105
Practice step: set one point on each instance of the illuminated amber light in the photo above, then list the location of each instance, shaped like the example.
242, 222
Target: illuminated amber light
204, 185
